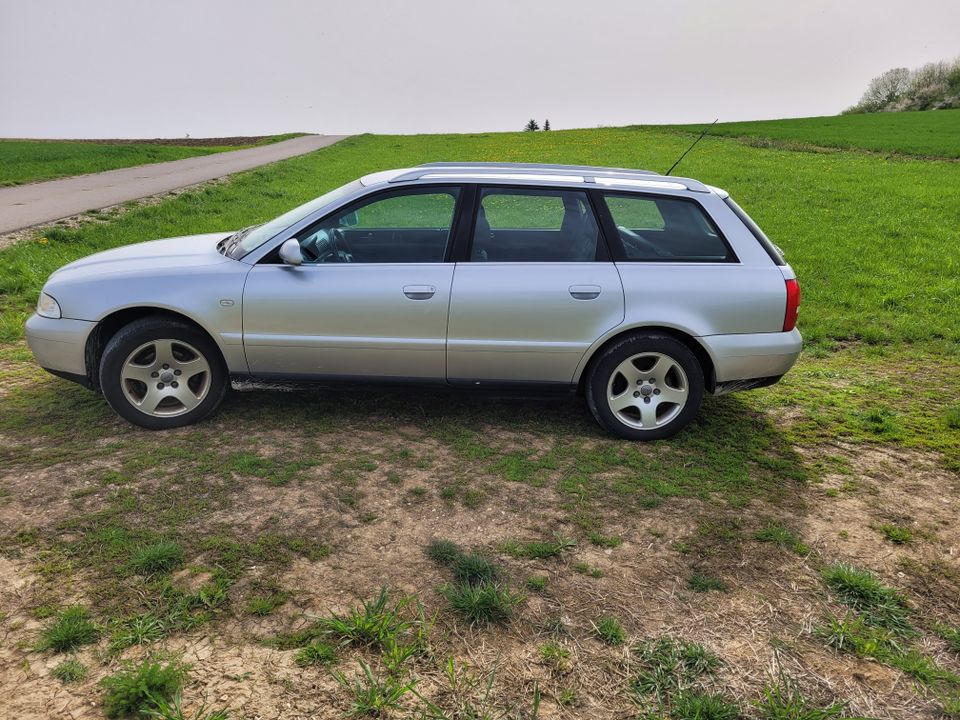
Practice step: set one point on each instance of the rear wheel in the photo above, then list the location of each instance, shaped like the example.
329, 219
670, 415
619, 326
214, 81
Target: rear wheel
161, 373
645, 387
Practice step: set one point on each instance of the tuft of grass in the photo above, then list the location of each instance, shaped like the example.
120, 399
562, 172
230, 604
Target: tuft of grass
701, 583
173, 710
70, 671
372, 695
784, 701
540, 549
263, 605
71, 629
700, 705
950, 635
783, 536
609, 630
583, 568
951, 417
485, 603
554, 655
855, 635
138, 630
862, 591
604, 541
897, 534
474, 569
669, 666
537, 583
137, 690
378, 623
157, 557
316, 653
443, 552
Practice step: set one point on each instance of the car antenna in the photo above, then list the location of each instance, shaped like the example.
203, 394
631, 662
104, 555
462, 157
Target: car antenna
707, 128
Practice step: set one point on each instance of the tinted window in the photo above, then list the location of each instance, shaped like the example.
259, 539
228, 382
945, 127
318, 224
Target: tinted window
666, 229
515, 225
411, 227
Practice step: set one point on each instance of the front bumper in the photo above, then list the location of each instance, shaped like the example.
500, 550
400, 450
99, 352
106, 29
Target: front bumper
59, 345
751, 356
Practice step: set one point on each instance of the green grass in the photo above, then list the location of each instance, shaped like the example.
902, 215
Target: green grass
156, 557
897, 534
702, 583
783, 536
862, 591
134, 690
316, 653
23, 161
931, 133
609, 630
70, 671
784, 701
670, 679
483, 603
70, 629
540, 549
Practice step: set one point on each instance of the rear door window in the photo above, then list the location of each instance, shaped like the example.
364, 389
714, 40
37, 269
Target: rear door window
664, 229
533, 225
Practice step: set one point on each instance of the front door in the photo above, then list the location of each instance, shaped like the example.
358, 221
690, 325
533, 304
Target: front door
537, 290
370, 299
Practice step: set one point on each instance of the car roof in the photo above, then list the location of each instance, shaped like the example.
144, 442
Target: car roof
535, 173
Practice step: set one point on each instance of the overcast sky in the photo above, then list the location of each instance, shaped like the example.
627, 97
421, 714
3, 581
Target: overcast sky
131, 68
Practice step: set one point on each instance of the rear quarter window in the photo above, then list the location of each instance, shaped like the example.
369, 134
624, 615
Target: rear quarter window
772, 250
663, 229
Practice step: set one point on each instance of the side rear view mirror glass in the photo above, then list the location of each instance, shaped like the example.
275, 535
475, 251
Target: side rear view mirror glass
290, 252
350, 219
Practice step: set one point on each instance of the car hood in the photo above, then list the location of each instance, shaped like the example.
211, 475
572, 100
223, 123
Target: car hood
181, 253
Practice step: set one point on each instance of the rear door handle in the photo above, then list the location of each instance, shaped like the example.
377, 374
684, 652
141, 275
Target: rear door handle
585, 292
419, 292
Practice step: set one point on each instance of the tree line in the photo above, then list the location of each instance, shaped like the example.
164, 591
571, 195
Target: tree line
934, 86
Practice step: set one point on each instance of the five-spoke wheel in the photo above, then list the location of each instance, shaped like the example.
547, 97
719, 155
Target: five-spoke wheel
645, 387
161, 373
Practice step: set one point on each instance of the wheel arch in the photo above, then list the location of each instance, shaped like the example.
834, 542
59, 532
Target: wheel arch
695, 346
110, 324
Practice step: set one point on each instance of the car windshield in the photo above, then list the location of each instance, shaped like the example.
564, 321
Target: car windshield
249, 239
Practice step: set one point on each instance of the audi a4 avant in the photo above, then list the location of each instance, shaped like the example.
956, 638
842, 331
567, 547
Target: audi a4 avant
641, 291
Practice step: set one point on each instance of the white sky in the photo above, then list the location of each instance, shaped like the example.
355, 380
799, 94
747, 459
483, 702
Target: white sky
165, 68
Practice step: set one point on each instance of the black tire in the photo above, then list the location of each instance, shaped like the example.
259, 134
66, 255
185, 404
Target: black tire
140, 332
605, 366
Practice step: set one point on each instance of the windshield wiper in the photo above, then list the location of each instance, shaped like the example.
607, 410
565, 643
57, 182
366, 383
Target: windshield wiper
231, 242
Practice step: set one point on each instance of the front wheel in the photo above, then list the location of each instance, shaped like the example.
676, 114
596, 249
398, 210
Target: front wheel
160, 373
645, 387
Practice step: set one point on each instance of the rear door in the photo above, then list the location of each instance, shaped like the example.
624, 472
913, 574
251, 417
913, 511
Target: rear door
537, 288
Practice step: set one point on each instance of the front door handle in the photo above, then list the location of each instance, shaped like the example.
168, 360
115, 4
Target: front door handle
585, 292
419, 292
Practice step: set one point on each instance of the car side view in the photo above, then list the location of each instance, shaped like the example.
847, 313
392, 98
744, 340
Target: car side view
641, 291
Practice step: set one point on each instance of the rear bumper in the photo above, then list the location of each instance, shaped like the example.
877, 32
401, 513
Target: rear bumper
751, 356
59, 345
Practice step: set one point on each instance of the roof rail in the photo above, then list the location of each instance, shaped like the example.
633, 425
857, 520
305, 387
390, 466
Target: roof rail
523, 172
543, 167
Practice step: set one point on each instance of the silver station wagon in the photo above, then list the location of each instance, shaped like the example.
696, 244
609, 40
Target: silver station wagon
641, 291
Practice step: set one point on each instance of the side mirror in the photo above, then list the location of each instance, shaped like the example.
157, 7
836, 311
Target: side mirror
290, 252
350, 220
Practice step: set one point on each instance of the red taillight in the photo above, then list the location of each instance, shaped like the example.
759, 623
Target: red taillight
793, 305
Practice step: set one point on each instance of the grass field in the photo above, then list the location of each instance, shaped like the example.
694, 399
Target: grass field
792, 555
932, 133
23, 161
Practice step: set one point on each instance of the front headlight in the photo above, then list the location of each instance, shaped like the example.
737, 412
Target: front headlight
48, 307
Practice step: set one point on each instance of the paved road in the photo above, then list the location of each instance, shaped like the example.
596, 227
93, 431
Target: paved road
26, 205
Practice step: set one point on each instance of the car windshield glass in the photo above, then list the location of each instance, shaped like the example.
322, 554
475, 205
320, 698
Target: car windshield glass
250, 239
